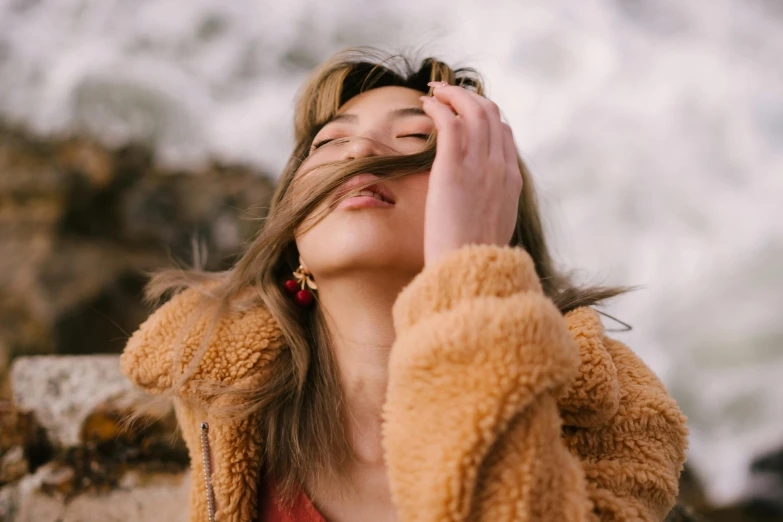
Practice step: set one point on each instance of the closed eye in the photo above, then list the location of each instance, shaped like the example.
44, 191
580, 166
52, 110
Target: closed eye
328, 140
323, 142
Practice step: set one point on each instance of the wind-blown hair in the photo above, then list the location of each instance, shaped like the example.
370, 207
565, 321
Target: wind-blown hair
301, 402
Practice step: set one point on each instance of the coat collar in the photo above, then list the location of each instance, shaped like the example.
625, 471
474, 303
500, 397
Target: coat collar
236, 446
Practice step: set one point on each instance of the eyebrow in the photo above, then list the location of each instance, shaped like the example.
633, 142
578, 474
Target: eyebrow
392, 115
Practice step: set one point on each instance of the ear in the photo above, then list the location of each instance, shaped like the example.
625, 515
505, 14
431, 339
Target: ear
302, 263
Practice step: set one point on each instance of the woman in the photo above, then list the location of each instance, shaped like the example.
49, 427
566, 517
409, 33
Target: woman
396, 344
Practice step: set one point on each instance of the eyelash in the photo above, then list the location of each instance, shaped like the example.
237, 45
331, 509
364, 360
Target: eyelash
324, 142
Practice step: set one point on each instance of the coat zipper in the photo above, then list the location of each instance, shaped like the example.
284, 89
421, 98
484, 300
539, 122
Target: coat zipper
206, 460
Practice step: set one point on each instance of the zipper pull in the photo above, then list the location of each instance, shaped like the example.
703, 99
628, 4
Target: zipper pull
206, 460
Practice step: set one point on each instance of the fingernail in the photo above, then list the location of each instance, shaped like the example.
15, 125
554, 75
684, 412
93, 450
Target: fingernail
437, 84
426, 99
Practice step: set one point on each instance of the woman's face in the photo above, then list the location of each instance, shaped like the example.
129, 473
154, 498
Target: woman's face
363, 233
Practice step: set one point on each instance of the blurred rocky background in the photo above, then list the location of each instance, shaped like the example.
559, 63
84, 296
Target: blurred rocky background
129, 129
81, 226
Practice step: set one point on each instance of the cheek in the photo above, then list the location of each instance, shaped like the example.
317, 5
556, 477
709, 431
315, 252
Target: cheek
299, 191
312, 219
309, 169
412, 202
310, 244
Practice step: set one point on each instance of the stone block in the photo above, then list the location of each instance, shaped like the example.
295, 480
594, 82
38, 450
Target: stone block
63, 391
140, 497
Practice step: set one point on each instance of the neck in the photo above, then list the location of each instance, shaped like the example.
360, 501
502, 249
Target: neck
358, 312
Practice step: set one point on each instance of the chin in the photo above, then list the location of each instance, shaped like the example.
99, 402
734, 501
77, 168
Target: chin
351, 241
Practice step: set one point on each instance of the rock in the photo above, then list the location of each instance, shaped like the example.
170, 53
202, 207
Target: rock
57, 478
682, 513
767, 483
8, 502
143, 497
80, 155
9, 427
13, 465
5, 357
61, 392
23, 444
81, 225
82, 403
764, 503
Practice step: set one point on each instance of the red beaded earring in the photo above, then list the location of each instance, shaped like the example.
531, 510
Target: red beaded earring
301, 286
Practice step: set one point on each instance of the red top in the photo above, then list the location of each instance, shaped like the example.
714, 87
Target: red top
270, 510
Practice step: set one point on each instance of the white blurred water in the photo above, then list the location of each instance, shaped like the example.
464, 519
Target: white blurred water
654, 129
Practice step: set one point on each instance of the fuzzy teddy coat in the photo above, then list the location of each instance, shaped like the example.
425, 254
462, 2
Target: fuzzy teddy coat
498, 408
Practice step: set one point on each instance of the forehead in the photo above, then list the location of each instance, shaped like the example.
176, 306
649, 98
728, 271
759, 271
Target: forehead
383, 99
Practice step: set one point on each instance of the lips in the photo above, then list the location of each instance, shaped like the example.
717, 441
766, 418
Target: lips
378, 190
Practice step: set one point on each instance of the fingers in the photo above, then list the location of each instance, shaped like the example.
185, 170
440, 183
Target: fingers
496, 125
477, 121
450, 139
480, 119
482, 116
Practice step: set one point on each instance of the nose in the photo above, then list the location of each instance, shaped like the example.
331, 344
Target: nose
360, 147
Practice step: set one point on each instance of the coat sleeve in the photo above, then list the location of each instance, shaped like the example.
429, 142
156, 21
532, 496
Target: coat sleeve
625, 428
473, 430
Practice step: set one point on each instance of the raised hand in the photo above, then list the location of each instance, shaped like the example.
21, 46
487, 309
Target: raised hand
475, 182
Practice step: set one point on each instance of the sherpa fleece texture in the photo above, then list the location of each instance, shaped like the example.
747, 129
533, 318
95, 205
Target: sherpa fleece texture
498, 408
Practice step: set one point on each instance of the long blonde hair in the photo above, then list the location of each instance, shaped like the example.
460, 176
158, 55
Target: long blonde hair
301, 403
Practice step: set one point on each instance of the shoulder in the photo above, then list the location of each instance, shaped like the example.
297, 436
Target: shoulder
225, 345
